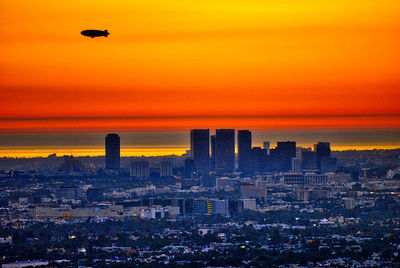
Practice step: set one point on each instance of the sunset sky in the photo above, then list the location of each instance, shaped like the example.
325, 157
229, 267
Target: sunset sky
175, 65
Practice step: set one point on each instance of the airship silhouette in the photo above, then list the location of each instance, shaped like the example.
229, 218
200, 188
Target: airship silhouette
95, 33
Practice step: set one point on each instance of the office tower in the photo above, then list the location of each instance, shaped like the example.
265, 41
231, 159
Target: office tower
202, 206
296, 164
266, 146
189, 167
70, 165
140, 169
258, 159
212, 159
220, 207
273, 161
328, 164
200, 150
308, 160
323, 149
166, 168
225, 151
112, 152
244, 150
286, 151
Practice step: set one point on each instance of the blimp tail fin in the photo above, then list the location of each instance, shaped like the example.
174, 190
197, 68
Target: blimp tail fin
106, 33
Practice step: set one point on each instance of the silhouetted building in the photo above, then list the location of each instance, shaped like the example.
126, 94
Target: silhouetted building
258, 159
189, 167
285, 152
244, 150
323, 149
166, 168
225, 151
70, 165
200, 150
212, 158
113, 152
140, 169
273, 161
308, 160
328, 164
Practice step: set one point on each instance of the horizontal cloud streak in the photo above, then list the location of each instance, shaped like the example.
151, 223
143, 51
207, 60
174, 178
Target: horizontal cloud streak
232, 116
181, 122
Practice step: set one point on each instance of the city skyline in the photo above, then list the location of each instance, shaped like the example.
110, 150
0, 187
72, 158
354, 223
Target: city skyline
178, 142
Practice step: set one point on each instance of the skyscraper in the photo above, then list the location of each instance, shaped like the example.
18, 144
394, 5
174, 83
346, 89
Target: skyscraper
212, 159
308, 160
323, 150
225, 151
200, 150
286, 151
325, 162
244, 150
258, 160
112, 152
189, 167
166, 168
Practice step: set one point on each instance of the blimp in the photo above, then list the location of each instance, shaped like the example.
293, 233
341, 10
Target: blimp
95, 33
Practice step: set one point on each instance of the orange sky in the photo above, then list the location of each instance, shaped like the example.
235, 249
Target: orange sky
284, 64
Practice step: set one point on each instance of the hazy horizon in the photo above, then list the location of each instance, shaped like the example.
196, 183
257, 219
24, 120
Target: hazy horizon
156, 143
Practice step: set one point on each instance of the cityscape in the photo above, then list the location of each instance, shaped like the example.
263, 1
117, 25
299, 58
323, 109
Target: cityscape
201, 133
212, 206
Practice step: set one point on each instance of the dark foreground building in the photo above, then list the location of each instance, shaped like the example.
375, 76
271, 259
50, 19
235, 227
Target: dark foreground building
225, 151
244, 150
113, 152
200, 150
323, 150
